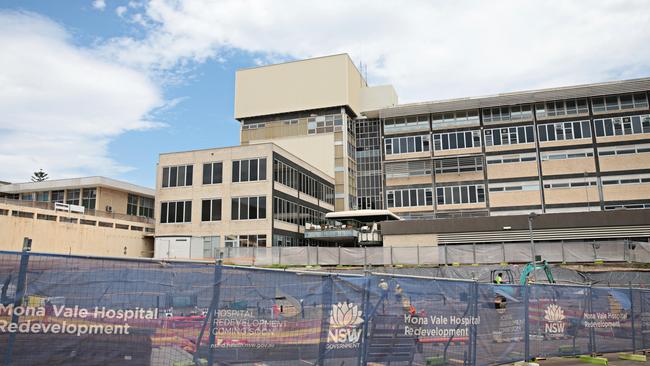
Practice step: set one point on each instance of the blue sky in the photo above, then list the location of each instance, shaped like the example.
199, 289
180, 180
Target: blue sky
92, 87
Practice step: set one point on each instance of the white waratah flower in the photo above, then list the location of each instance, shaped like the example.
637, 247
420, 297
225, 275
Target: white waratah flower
553, 314
345, 315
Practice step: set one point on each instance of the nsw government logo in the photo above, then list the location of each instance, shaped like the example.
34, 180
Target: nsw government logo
344, 331
554, 316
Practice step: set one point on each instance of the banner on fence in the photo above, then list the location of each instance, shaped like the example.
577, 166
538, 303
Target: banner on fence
92, 311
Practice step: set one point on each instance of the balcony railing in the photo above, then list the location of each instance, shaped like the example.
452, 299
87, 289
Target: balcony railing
51, 206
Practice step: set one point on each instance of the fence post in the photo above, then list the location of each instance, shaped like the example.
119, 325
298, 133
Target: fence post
526, 323
592, 335
326, 305
418, 253
365, 257
214, 311
391, 257
308, 259
20, 293
474, 326
474, 253
563, 255
632, 315
317, 255
503, 251
280, 255
340, 264
361, 360
446, 255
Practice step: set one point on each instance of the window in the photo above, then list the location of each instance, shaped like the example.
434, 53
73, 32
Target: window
404, 124
248, 208
561, 108
89, 198
623, 150
642, 179
454, 195
405, 169
177, 176
42, 196
405, 145
458, 165
509, 136
295, 213
253, 126
510, 187
619, 126
58, 196
306, 183
564, 131
175, 212
146, 207
211, 210
568, 154
455, 118
619, 102
456, 140
514, 113
27, 196
409, 197
325, 124
132, 205
249, 170
72, 196
213, 173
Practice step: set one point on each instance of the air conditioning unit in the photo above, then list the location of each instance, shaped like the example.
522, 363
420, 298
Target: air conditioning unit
109, 208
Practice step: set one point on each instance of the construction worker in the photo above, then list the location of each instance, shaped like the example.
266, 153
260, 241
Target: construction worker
499, 278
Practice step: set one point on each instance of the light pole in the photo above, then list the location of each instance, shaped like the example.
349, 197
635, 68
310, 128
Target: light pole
531, 217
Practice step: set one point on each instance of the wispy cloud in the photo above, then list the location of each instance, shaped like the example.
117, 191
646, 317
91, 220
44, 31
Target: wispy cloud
426, 49
60, 105
99, 4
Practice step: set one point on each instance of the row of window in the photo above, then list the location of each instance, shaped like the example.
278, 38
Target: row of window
564, 131
561, 108
410, 197
514, 113
292, 177
177, 176
566, 155
503, 159
245, 241
622, 125
253, 126
619, 102
248, 208
140, 206
456, 117
405, 145
409, 123
295, 213
512, 188
626, 181
249, 170
509, 136
324, 124
623, 150
573, 184
175, 212
86, 197
456, 140
456, 195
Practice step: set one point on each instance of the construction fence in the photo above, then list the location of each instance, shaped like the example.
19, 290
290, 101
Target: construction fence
67, 310
570, 252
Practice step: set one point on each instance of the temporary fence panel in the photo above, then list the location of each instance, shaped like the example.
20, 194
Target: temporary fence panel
57, 309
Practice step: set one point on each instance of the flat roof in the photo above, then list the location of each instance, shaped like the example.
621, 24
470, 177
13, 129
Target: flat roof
514, 98
83, 182
362, 213
518, 222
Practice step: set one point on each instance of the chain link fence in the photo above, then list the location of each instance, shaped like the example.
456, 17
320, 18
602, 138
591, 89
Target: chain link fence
562, 252
57, 309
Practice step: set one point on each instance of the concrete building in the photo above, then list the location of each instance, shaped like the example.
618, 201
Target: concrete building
244, 196
309, 108
91, 216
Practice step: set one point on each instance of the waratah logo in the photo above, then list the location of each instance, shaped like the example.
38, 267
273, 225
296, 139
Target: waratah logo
345, 315
554, 316
344, 319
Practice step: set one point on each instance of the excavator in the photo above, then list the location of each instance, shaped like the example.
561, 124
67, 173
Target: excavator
507, 278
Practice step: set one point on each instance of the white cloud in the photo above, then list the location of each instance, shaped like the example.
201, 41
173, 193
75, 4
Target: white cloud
99, 4
60, 106
120, 10
426, 49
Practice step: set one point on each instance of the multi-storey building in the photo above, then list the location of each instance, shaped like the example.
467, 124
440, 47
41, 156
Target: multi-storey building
243, 196
309, 108
581, 148
91, 216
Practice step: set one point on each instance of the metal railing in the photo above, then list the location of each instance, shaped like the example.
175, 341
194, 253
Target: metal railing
98, 213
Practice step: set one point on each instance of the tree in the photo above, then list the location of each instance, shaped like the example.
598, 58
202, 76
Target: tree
39, 176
